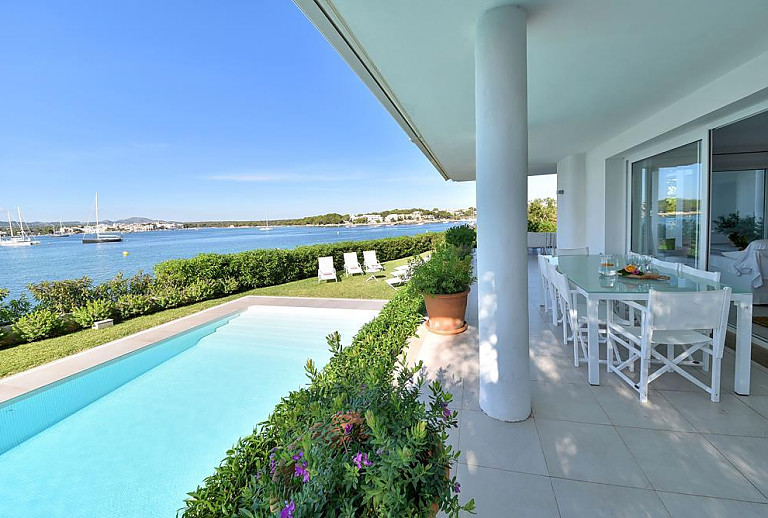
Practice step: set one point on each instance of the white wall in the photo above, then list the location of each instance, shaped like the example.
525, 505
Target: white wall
739, 93
571, 202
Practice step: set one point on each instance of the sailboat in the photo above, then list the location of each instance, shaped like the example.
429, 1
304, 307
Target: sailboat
60, 232
99, 237
266, 225
20, 239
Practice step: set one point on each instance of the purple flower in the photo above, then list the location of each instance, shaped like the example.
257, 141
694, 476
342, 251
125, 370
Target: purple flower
457, 488
287, 511
272, 463
300, 467
348, 428
361, 459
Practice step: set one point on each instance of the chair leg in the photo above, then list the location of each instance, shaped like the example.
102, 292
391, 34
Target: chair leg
716, 364
643, 384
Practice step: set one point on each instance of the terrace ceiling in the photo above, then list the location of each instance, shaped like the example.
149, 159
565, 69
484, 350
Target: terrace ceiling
595, 67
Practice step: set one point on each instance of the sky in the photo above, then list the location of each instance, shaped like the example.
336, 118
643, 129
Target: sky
193, 111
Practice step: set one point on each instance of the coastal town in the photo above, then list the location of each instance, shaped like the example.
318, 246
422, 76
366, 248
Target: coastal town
137, 224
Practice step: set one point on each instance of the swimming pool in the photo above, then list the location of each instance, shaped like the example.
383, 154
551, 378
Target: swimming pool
131, 437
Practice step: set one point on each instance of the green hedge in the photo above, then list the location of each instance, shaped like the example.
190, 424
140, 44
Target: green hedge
358, 441
268, 267
180, 282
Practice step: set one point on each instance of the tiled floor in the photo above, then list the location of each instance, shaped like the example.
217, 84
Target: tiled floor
598, 451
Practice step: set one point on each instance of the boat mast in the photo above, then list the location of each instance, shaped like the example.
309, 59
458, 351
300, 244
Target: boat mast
21, 222
10, 224
97, 215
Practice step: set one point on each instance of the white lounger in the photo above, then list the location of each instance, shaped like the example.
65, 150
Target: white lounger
326, 271
370, 262
351, 264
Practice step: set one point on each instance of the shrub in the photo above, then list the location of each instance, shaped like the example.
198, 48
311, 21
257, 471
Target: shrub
463, 237
62, 296
140, 284
134, 305
13, 309
358, 441
112, 289
93, 311
167, 297
201, 289
39, 324
448, 271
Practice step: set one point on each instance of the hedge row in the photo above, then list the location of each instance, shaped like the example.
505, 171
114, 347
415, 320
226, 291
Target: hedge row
65, 306
268, 267
358, 441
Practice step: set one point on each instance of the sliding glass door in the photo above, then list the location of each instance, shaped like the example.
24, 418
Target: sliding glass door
666, 198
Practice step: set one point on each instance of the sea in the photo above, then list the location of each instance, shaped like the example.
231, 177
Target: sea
57, 258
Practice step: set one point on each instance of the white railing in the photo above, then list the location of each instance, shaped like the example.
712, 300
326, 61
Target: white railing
546, 241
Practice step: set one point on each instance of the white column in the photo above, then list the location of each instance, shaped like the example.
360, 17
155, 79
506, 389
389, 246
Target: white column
571, 210
501, 105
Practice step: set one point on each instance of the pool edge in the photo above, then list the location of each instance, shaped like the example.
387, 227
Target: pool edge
37, 377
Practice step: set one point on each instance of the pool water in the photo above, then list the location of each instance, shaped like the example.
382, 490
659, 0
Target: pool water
140, 447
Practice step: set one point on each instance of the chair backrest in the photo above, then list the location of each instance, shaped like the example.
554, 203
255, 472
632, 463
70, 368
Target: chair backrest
325, 264
665, 265
350, 259
696, 310
543, 270
551, 272
573, 251
702, 274
369, 256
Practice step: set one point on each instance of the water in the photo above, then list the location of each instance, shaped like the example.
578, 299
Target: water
137, 450
68, 258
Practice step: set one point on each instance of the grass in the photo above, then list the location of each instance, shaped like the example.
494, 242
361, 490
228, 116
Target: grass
25, 356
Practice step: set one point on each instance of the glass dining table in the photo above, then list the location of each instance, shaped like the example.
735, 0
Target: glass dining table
582, 272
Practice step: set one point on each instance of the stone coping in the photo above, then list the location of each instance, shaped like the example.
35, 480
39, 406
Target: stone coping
40, 376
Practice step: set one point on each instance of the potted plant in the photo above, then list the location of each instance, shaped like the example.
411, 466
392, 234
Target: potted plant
444, 282
741, 230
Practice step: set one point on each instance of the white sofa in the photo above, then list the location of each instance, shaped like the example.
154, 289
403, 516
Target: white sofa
745, 269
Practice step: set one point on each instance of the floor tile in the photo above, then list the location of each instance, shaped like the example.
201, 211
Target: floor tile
623, 408
757, 403
579, 499
490, 443
471, 394
730, 416
545, 343
554, 369
686, 463
569, 402
748, 454
588, 452
687, 506
503, 493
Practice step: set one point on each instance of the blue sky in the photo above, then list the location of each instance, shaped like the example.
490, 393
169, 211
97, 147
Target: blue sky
193, 110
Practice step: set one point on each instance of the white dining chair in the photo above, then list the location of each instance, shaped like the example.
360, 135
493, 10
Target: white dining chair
544, 277
555, 307
665, 266
575, 324
690, 321
701, 274
573, 251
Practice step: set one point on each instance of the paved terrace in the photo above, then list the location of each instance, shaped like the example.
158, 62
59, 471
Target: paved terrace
598, 451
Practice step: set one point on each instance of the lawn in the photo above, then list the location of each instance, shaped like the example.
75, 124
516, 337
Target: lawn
22, 357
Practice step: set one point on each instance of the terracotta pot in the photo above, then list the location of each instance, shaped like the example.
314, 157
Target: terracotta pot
446, 313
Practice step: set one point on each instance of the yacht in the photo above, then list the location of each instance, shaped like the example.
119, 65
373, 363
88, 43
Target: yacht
99, 237
22, 237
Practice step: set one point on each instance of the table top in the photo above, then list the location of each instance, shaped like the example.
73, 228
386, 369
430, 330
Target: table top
582, 271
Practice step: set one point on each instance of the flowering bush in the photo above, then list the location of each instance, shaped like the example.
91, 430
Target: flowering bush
358, 441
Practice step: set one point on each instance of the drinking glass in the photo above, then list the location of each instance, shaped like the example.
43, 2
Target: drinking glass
607, 265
